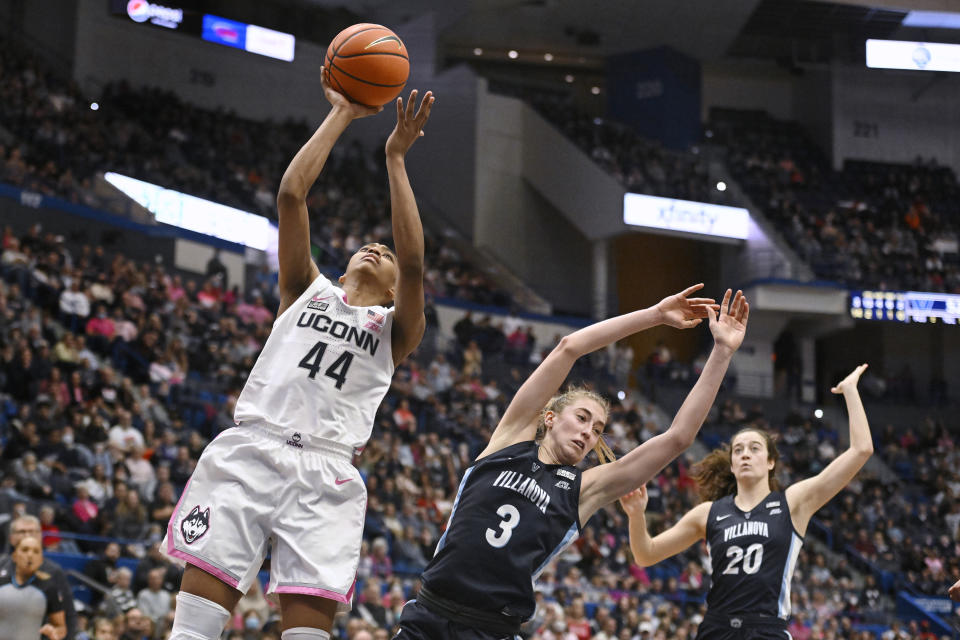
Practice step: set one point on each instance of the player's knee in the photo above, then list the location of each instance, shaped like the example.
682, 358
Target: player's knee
304, 633
198, 618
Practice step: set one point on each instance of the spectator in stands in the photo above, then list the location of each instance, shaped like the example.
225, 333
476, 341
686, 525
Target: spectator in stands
74, 306
154, 601
370, 608
121, 598
217, 270
138, 626
103, 629
101, 569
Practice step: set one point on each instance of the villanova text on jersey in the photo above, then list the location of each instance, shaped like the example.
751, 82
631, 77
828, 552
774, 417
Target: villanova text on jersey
525, 486
513, 514
748, 528
335, 328
752, 555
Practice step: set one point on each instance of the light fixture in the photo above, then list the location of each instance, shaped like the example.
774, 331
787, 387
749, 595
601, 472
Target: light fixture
512, 54
477, 51
548, 57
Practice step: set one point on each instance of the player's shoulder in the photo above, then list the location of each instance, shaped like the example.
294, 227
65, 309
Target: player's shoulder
717, 510
523, 449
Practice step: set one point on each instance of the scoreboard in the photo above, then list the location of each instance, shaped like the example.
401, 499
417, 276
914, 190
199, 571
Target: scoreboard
905, 306
224, 31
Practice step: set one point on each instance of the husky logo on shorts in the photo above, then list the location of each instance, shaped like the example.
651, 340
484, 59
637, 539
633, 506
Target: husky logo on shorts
195, 524
295, 441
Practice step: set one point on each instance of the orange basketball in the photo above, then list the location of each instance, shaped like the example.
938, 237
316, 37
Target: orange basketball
368, 64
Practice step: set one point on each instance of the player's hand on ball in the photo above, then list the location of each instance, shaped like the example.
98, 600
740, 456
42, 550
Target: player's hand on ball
409, 125
955, 591
635, 502
850, 382
338, 101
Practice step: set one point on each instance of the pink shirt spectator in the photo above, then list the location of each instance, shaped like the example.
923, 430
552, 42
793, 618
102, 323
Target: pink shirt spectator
126, 330
101, 327
254, 314
799, 631
86, 510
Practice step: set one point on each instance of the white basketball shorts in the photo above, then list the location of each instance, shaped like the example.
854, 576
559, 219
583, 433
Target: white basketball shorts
255, 486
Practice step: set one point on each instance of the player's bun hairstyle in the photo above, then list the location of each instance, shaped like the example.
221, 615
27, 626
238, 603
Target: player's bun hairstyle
714, 477
561, 401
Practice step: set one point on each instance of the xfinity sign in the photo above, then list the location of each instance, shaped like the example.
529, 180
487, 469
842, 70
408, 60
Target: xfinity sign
684, 216
142, 11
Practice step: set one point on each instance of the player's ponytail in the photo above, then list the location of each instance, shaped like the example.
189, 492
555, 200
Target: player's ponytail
713, 476
560, 401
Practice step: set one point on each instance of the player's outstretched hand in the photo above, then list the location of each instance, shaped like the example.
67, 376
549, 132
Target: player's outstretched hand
684, 312
955, 591
339, 101
729, 327
635, 502
409, 124
850, 382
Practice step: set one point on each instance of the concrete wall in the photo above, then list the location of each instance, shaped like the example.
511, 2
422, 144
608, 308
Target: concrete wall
895, 116
514, 222
748, 85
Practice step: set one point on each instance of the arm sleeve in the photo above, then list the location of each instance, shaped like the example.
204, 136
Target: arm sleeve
65, 592
52, 594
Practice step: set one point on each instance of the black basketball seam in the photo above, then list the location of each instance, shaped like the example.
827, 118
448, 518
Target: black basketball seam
374, 84
339, 46
375, 53
342, 90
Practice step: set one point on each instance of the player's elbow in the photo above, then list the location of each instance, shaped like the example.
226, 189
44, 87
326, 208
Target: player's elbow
641, 557
289, 195
863, 451
678, 438
567, 347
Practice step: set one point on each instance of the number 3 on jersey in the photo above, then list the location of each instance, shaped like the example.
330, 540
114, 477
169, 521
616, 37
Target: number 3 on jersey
511, 518
337, 370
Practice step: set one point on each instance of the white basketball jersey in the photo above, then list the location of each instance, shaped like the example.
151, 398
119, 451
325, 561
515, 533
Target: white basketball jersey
324, 369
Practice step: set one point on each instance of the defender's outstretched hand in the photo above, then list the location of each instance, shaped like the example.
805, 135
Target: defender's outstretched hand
683, 312
339, 101
850, 382
730, 326
409, 126
635, 502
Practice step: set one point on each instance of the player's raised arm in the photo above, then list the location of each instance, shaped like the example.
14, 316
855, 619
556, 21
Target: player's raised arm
297, 269
408, 319
807, 496
649, 551
519, 422
605, 483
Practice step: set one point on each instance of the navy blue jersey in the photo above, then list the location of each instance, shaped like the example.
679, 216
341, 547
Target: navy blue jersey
513, 514
752, 554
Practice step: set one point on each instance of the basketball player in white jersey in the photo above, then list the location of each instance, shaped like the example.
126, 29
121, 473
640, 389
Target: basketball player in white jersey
284, 476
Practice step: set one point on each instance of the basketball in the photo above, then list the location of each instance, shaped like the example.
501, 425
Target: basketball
368, 64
